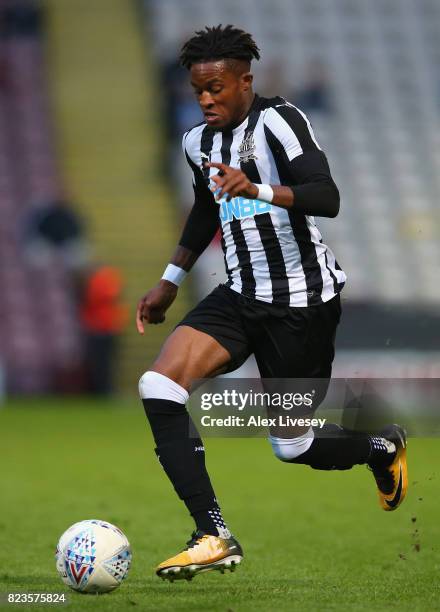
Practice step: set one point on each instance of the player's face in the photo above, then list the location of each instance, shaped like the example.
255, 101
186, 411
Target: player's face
222, 91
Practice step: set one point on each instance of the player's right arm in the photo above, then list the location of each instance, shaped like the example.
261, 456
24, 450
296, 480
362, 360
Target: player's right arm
199, 230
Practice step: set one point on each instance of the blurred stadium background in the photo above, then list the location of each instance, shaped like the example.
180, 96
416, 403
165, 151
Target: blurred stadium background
93, 195
92, 108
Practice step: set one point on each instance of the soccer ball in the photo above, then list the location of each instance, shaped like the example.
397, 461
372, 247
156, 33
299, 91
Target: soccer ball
93, 556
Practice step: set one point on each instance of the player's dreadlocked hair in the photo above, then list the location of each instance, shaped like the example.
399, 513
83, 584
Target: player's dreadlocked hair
218, 43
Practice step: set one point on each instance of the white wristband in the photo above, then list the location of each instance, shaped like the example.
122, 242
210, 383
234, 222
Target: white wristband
265, 192
174, 274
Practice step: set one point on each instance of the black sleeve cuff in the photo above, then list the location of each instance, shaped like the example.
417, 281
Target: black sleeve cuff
320, 199
315, 192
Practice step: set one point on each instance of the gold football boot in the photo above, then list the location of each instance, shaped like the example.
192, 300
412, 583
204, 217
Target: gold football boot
203, 553
392, 479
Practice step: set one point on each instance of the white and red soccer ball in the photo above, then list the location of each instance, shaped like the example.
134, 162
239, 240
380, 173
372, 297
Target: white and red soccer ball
93, 556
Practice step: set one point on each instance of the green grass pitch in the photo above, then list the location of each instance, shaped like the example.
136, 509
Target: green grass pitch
312, 540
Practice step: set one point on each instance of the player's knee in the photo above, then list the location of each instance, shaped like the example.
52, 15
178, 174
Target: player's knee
153, 385
288, 449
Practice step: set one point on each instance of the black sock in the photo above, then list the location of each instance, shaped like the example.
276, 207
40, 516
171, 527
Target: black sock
382, 451
211, 522
183, 459
335, 448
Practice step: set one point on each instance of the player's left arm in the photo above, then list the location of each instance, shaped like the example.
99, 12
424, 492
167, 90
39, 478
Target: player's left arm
302, 166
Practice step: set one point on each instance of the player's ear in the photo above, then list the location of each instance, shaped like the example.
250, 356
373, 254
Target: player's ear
246, 80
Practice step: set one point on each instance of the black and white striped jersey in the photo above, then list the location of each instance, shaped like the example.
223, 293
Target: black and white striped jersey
271, 254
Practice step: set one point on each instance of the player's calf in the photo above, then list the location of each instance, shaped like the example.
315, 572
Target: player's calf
334, 448
339, 449
180, 451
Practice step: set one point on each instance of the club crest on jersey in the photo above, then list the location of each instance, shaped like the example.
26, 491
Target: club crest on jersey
247, 148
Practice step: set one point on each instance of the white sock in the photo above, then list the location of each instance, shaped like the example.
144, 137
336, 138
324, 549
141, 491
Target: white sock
291, 448
157, 386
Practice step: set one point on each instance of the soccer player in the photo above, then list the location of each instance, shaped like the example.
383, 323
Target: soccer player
260, 175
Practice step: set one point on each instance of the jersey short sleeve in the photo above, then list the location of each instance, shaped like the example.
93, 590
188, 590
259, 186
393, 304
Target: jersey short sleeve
292, 129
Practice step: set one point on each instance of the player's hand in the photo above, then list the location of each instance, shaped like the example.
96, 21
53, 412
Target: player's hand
153, 305
231, 182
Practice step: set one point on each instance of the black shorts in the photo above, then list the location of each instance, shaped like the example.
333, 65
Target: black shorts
288, 342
